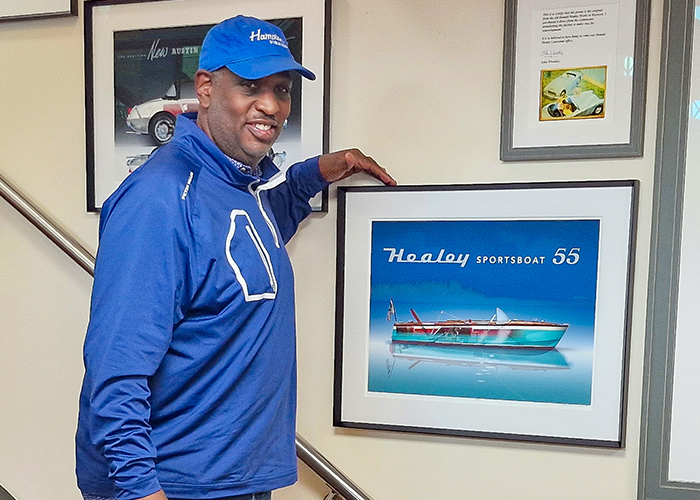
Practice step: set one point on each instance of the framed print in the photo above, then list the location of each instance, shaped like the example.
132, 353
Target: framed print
32, 9
497, 311
574, 79
670, 437
140, 60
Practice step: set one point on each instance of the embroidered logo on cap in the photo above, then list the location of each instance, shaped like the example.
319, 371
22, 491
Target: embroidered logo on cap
270, 37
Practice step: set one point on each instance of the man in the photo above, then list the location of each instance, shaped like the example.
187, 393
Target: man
190, 383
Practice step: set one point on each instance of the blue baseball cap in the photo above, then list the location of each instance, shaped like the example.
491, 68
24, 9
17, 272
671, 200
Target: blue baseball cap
249, 47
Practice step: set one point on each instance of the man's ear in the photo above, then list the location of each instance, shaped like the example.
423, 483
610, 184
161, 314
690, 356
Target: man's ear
203, 81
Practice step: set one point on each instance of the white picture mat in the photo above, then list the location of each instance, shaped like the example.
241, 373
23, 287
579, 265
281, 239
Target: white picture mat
147, 15
611, 51
684, 445
17, 8
599, 421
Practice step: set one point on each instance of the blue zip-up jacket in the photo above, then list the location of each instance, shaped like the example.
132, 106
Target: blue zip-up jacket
190, 382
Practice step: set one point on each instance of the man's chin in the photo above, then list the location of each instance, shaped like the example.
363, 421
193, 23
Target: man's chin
247, 157
257, 154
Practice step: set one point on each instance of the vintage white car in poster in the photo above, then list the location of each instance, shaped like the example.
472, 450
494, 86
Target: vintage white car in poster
156, 117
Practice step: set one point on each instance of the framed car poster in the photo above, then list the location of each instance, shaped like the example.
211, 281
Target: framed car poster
497, 311
574, 78
140, 60
33, 9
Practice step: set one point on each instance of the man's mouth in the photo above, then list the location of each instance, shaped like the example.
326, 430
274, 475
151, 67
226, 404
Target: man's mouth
263, 131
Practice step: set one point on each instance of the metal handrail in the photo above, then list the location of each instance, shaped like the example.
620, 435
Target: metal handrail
334, 478
5, 495
47, 226
338, 482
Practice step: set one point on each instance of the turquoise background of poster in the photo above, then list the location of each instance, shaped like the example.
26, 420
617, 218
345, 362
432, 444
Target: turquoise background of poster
543, 270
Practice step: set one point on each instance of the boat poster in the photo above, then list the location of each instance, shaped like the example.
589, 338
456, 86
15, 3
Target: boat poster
496, 310
448, 298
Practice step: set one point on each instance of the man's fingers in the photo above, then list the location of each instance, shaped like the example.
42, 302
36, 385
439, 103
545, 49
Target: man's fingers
349, 158
342, 164
367, 164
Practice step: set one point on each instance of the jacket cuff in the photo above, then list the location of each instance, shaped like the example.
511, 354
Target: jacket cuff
311, 173
139, 489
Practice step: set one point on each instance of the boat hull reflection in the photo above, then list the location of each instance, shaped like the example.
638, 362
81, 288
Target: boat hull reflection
513, 358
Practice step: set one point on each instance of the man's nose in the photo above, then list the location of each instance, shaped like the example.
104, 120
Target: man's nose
267, 103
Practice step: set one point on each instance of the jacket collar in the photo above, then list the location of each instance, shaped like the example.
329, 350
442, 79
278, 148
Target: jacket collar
193, 139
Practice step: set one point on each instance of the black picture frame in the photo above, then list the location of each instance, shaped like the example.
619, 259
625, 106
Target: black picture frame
451, 395
114, 27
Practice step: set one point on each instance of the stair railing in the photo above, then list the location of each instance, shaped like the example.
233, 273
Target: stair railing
5, 495
340, 485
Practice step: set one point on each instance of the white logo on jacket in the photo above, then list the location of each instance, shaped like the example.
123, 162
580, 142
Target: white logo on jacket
249, 259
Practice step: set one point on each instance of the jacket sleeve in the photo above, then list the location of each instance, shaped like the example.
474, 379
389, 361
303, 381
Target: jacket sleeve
138, 295
289, 200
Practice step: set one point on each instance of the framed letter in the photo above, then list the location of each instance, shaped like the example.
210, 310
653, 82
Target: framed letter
574, 78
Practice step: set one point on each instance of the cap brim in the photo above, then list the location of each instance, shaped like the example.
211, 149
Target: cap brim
260, 67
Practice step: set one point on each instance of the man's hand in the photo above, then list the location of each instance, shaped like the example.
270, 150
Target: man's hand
342, 164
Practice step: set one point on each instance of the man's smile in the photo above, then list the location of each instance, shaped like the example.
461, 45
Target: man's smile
265, 131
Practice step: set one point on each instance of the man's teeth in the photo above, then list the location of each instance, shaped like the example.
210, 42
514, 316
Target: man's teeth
261, 126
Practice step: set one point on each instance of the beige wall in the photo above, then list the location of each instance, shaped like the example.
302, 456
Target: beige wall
416, 85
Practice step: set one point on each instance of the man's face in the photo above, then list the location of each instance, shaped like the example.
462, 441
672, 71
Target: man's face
244, 117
